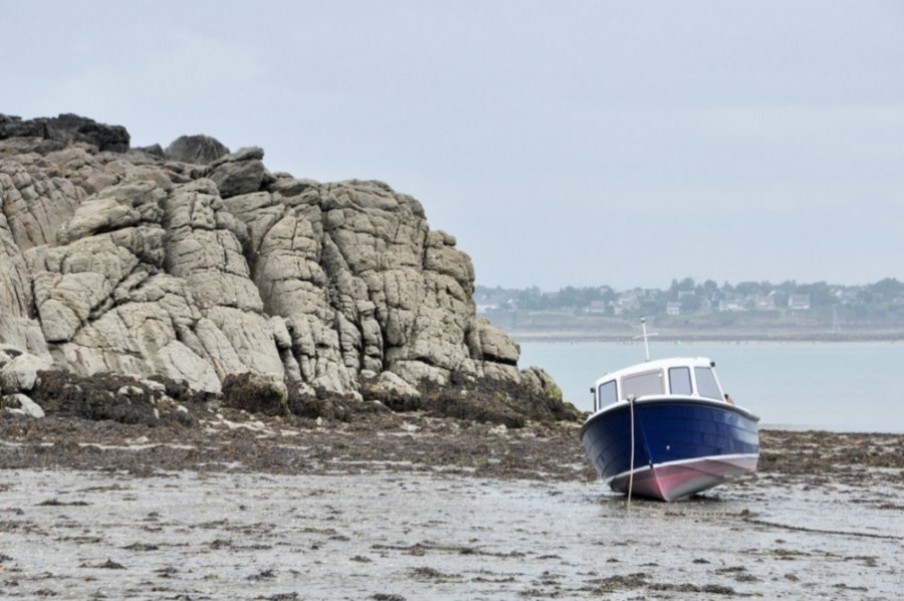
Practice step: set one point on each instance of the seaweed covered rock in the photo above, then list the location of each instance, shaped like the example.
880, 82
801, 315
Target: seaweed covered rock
392, 391
20, 404
107, 397
465, 405
255, 393
496, 401
536, 398
323, 404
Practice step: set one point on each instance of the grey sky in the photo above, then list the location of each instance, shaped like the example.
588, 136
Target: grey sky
562, 142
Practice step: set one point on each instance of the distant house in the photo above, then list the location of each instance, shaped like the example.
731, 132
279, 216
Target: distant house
673, 308
731, 304
799, 302
627, 301
598, 307
764, 302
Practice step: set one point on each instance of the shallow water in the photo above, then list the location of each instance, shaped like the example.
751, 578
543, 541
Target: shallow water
417, 535
840, 387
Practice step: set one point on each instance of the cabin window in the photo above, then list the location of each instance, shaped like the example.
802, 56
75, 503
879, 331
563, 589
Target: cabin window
680, 380
642, 384
706, 383
606, 394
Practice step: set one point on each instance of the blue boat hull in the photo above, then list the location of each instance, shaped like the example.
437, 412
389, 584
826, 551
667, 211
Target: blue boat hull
682, 446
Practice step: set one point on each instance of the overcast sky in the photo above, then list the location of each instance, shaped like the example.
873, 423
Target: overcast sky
563, 142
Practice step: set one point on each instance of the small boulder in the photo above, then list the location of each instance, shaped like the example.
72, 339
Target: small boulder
321, 404
256, 393
20, 373
242, 172
200, 150
97, 397
21, 404
391, 390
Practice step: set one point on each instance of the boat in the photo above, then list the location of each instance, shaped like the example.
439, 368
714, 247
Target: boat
664, 429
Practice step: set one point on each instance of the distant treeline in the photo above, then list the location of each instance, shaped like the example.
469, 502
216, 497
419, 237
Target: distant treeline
883, 300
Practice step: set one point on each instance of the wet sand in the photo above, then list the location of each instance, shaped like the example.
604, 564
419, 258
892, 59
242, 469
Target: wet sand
418, 508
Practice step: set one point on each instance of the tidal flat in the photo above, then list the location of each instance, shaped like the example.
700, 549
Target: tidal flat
240, 508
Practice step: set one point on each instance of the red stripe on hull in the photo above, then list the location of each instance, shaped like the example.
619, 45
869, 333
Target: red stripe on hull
673, 481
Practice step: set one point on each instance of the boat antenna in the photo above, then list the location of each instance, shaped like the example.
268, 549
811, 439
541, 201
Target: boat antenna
646, 344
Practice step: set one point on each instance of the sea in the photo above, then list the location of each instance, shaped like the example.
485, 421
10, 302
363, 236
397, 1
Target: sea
838, 387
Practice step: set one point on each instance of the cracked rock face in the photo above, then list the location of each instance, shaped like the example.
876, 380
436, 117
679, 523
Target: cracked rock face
136, 262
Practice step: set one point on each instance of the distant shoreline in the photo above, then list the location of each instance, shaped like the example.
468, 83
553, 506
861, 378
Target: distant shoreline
567, 336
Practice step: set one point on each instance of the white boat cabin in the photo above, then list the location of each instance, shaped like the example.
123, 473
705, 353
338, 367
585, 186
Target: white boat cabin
679, 376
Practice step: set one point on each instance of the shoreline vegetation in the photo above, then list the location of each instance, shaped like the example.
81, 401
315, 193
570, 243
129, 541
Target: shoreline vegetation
82, 416
217, 438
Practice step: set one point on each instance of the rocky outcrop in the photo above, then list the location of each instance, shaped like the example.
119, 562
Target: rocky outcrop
201, 150
52, 133
197, 265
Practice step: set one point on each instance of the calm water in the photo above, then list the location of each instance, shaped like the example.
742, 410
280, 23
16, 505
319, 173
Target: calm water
845, 387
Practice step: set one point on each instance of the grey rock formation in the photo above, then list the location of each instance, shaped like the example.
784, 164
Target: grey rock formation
198, 149
198, 264
242, 172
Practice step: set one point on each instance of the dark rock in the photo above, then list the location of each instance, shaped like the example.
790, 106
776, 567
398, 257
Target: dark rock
255, 394
113, 138
67, 128
98, 397
241, 173
58, 503
111, 565
495, 402
332, 406
264, 575
154, 151
13, 127
199, 149
462, 405
180, 391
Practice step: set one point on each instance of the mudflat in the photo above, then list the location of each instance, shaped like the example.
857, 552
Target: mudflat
405, 506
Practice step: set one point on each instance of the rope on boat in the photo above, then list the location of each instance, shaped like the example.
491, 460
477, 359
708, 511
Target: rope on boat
751, 520
631, 397
631, 465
